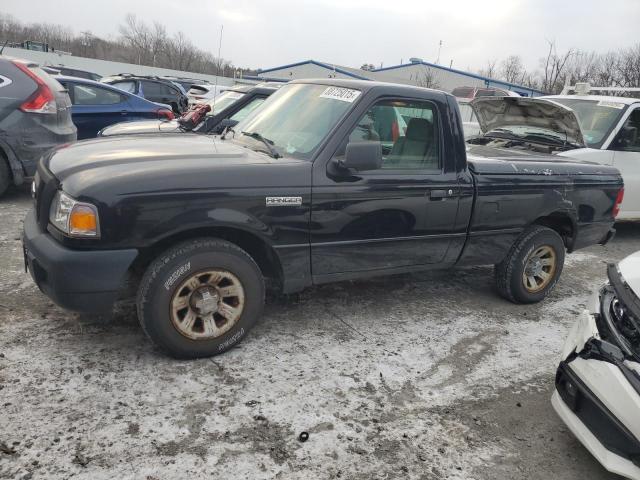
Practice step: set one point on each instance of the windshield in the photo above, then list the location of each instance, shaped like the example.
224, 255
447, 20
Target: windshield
596, 118
222, 101
296, 118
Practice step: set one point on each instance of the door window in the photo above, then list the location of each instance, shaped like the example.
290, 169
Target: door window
628, 139
247, 109
92, 95
152, 89
408, 132
128, 86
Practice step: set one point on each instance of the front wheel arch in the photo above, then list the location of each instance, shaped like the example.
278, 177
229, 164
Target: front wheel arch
257, 247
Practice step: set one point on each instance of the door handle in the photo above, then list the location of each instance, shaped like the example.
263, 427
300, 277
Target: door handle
442, 194
123, 112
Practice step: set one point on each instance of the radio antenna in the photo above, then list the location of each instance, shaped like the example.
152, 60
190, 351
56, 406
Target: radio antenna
219, 61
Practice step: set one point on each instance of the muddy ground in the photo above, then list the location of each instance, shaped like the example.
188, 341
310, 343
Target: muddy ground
423, 376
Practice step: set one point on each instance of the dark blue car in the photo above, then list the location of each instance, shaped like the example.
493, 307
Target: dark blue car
96, 105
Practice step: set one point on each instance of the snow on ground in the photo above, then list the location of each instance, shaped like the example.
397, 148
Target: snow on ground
423, 376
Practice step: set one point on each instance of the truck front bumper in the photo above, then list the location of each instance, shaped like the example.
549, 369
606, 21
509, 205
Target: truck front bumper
81, 280
597, 401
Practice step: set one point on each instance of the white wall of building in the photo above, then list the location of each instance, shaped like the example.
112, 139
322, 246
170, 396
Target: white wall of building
447, 80
418, 74
105, 67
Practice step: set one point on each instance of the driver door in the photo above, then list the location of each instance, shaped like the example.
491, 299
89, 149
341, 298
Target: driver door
397, 216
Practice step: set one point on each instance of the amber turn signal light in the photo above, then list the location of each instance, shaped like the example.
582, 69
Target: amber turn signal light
83, 221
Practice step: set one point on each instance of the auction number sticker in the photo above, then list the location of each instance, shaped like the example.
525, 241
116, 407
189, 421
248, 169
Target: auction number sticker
605, 103
342, 94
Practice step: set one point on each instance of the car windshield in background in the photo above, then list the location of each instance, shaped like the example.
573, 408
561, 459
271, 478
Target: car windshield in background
222, 101
529, 134
596, 118
295, 119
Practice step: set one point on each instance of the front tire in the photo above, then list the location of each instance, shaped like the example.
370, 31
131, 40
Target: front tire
532, 267
200, 298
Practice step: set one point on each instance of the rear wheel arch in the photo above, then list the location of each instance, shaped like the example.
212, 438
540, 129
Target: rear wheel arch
563, 223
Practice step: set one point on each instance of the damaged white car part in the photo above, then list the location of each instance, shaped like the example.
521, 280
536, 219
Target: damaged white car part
598, 380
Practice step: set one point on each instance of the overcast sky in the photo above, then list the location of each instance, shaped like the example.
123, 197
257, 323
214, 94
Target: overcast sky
263, 34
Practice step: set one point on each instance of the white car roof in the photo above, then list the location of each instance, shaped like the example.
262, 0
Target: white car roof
595, 98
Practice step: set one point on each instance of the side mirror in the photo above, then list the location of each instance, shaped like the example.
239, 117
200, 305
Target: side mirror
360, 156
226, 123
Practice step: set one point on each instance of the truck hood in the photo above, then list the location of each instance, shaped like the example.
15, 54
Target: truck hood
510, 112
141, 126
156, 162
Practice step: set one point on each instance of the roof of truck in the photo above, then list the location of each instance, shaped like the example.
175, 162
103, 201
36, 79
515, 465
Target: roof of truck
364, 85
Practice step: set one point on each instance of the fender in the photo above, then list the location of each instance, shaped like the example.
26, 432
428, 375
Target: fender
248, 232
17, 172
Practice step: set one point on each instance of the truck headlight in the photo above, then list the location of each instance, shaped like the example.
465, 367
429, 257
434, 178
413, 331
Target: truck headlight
74, 218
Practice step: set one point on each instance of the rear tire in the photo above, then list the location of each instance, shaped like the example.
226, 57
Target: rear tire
532, 267
200, 298
5, 176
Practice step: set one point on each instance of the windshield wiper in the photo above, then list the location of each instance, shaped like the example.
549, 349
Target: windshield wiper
556, 139
268, 143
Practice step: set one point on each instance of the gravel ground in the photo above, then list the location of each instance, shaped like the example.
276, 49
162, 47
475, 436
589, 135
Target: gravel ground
422, 376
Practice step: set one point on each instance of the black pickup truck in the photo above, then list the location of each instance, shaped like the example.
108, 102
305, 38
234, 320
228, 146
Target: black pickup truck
329, 180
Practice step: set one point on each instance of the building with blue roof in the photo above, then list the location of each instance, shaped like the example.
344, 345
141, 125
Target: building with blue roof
417, 72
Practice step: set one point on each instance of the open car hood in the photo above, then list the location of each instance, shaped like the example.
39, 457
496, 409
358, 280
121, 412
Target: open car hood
630, 271
505, 112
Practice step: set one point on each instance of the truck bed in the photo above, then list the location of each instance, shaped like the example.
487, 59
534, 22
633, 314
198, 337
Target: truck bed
508, 161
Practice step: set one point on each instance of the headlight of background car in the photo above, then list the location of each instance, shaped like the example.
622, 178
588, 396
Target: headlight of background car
72, 217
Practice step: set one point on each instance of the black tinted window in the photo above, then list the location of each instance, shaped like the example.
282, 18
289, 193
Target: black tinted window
157, 89
152, 89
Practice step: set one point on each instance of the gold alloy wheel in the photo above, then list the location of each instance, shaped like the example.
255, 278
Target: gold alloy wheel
540, 268
207, 304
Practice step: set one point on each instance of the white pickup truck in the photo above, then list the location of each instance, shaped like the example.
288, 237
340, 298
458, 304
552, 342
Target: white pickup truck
611, 131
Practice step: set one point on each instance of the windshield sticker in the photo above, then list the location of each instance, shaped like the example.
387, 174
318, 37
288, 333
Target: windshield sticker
605, 103
343, 94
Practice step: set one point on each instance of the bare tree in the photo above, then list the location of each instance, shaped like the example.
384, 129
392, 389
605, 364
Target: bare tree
427, 79
512, 69
553, 68
629, 67
137, 36
491, 70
